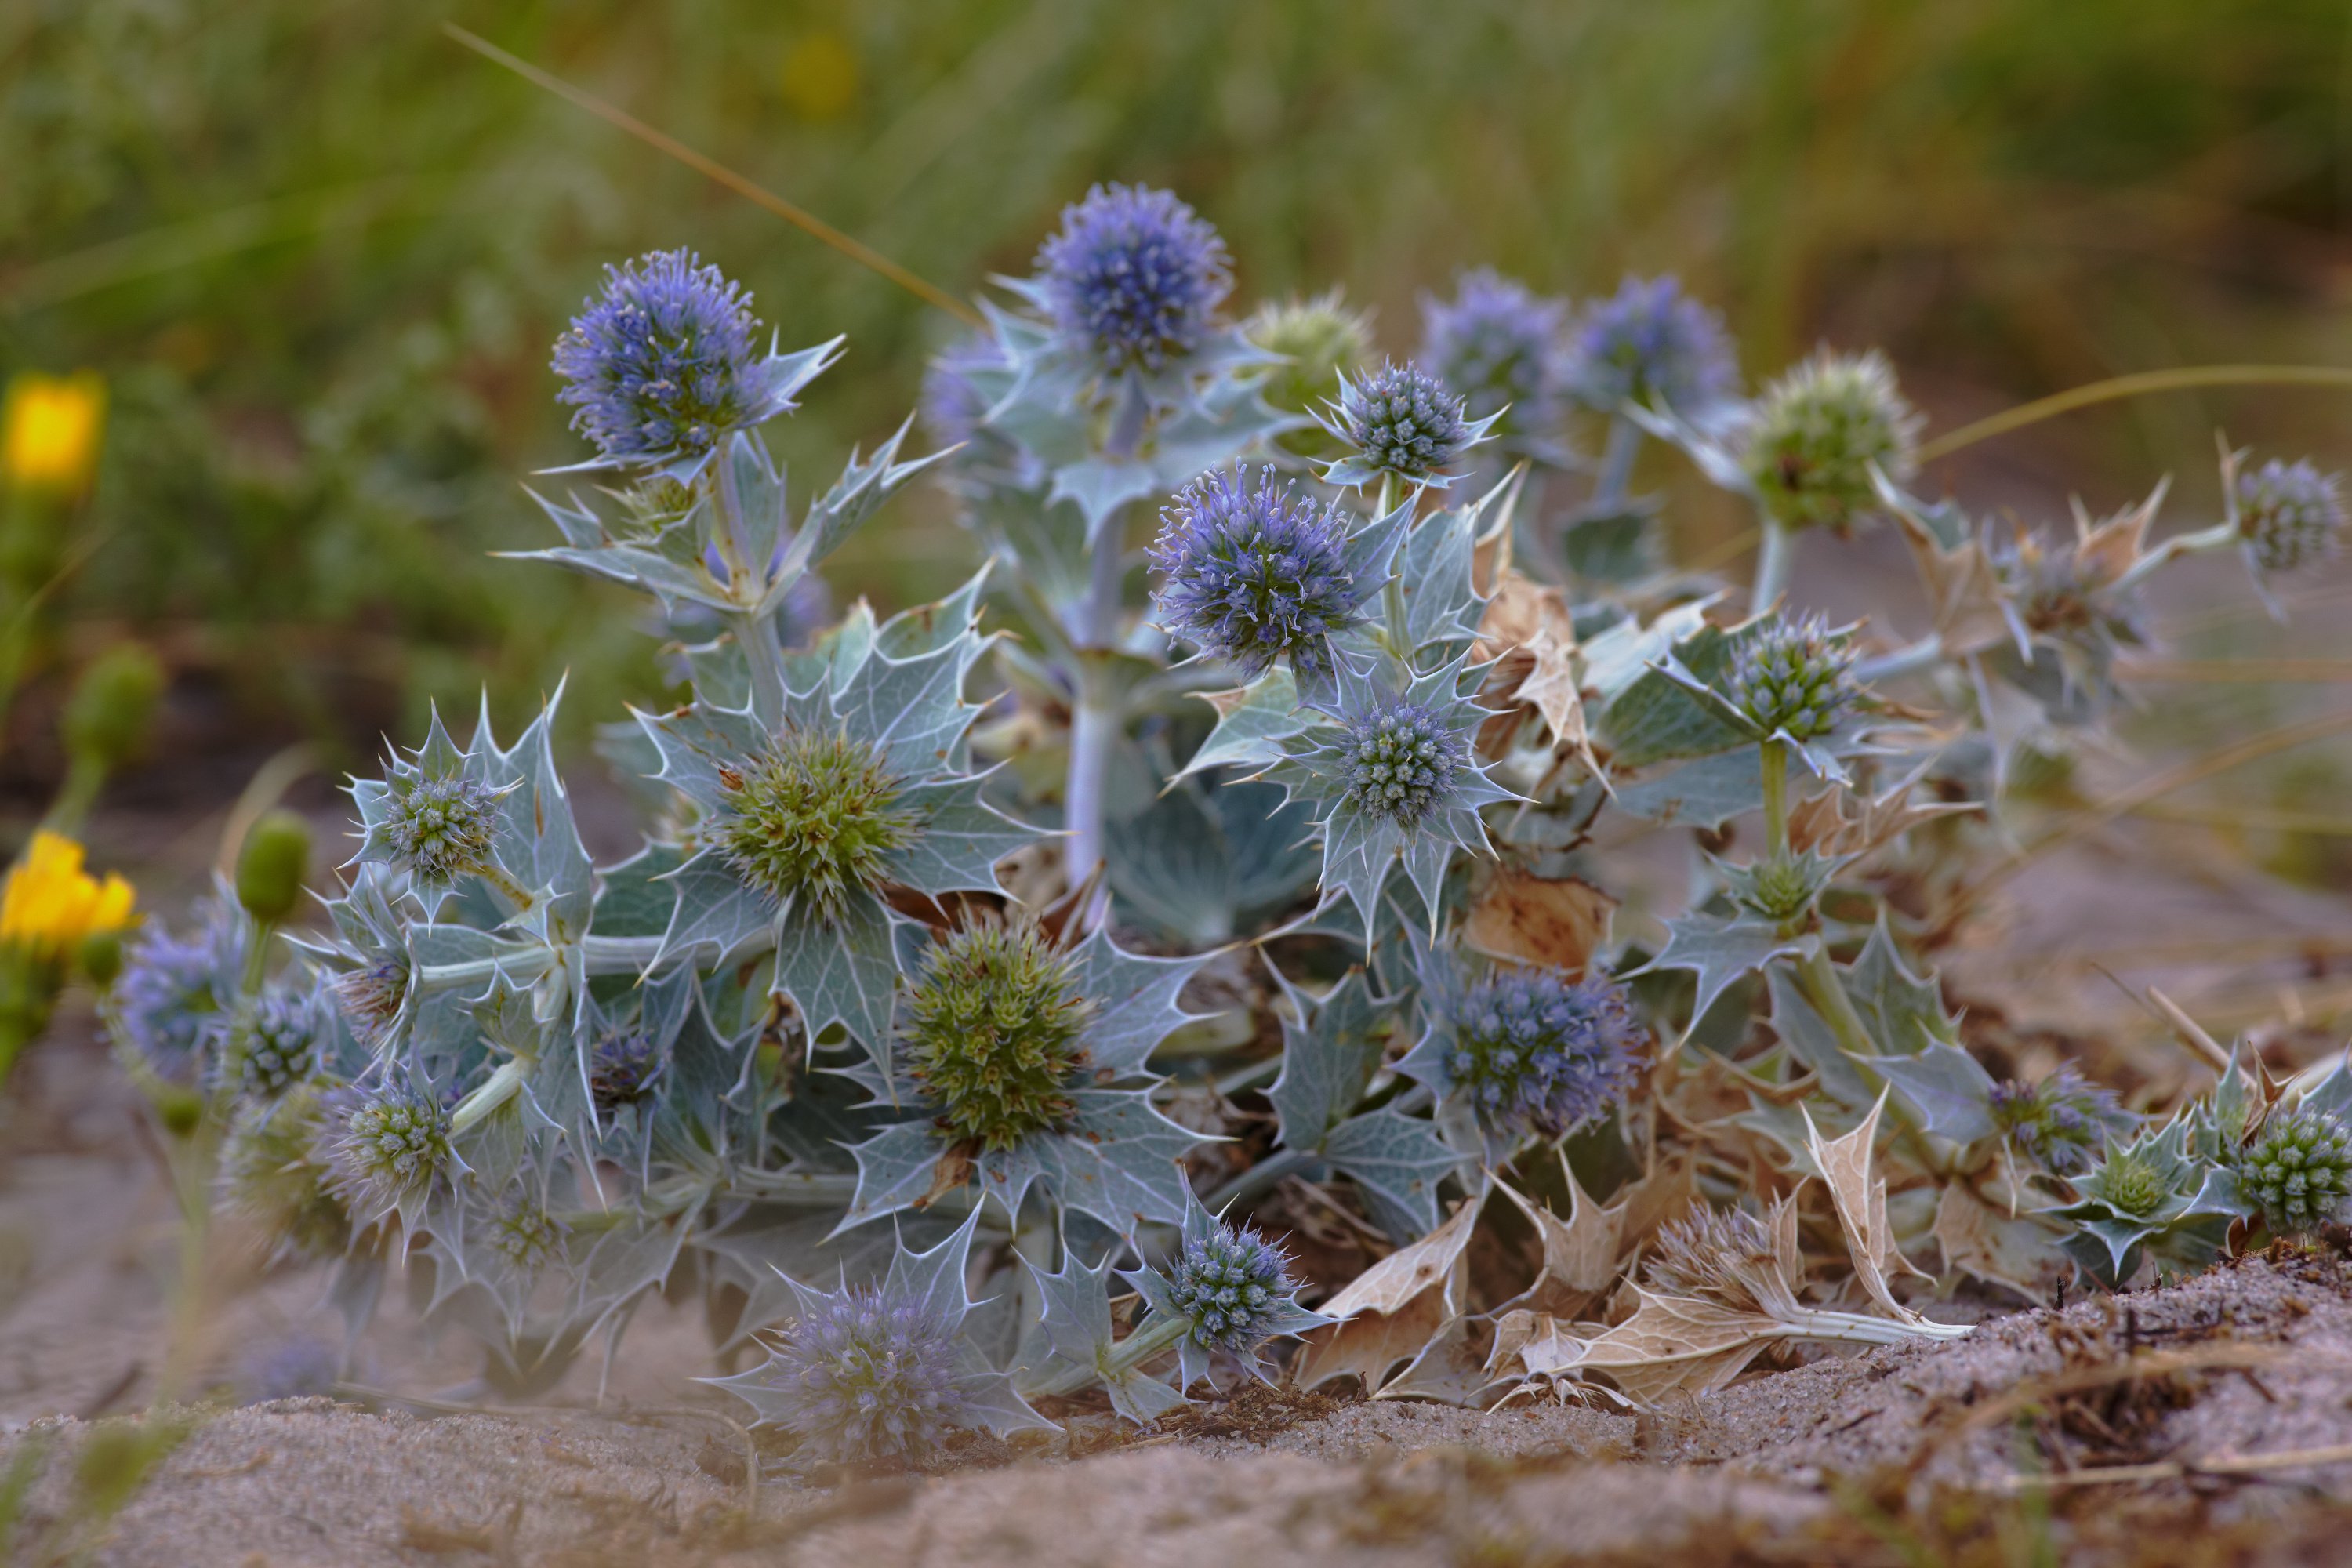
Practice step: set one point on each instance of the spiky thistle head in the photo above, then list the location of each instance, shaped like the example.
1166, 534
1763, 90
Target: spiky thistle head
271, 1173
1134, 277
2058, 1123
663, 362
1404, 424
436, 828
2130, 1182
1793, 678
1401, 760
1232, 1286
865, 1374
275, 1042
1499, 345
2299, 1170
168, 1006
371, 994
814, 819
1531, 1053
1319, 340
622, 1066
1651, 341
994, 1024
528, 1237
1253, 571
1699, 1253
383, 1146
2290, 514
1817, 433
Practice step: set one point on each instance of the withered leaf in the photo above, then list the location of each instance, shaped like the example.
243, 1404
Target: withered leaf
1846, 1165
1580, 1257
1392, 1311
1515, 914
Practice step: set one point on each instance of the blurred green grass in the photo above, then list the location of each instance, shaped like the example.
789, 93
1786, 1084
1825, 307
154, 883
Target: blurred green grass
320, 251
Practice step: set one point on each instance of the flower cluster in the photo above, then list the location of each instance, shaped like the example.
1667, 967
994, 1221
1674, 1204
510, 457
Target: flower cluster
861, 1376
620, 1069
273, 1044
1532, 1053
1794, 679
2299, 1170
1651, 341
1499, 346
437, 828
1253, 571
2059, 1123
1401, 761
383, 1146
169, 1004
1819, 430
1404, 424
992, 1030
1230, 1284
815, 818
1133, 277
2290, 514
664, 361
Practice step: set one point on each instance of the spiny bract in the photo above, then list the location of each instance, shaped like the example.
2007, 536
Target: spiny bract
1817, 433
1794, 679
1252, 571
370, 996
815, 819
1399, 761
2299, 1171
1403, 422
1651, 341
1532, 1053
992, 1033
2290, 514
1133, 277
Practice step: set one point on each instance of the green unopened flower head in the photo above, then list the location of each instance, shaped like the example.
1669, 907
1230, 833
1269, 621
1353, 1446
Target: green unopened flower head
1817, 432
1779, 887
1794, 679
993, 1034
1323, 338
384, 1145
440, 828
112, 707
2130, 1183
2300, 1170
815, 819
271, 1173
274, 1043
2290, 514
527, 1236
272, 866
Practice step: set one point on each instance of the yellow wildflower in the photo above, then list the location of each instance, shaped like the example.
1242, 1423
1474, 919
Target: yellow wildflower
49, 432
50, 904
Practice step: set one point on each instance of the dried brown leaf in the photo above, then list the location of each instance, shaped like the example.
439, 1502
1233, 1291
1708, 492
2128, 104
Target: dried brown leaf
1846, 1165
1995, 1245
1962, 590
1451, 1369
1580, 1257
1839, 822
1394, 1309
1678, 1342
2105, 553
1559, 922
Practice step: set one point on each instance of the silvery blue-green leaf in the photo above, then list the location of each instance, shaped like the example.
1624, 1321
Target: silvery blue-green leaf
1718, 949
1100, 485
1224, 419
855, 497
631, 1256
1397, 1161
1705, 794
1813, 1043
536, 842
961, 841
766, 1241
1946, 1087
911, 711
1905, 1013
934, 629
697, 743
1118, 1162
2332, 1095
713, 915
897, 1169
1712, 444
1076, 1321
1252, 723
1331, 1049
1134, 1002
842, 972
1172, 865
1665, 713
632, 565
1619, 654
1442, 604
634, 899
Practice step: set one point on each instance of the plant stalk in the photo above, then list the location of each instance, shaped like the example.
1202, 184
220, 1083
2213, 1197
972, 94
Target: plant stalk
1616, 475
1774, 769
1773, 556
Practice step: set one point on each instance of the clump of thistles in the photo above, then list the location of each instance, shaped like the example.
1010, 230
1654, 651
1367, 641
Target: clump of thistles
274, 1045
384, 1145
2299, 1170
2058, 1123
1401, 762
815, 820
862, 1375
1133, 277
1498, 344
1404, 424
1253, 569
1794, 679
1532, 1053
663, 362
1651, 342
437, 830
991, 1035
1817, 433
2290, 514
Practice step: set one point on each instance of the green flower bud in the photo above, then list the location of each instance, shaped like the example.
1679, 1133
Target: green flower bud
2130, 1184
2300, 1170
1794, 679
180, 1109
993, 1031
113, 706
815, 819
100, 957
1817, 433
271, 866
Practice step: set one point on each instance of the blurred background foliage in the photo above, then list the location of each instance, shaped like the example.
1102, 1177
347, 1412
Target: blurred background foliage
319, 252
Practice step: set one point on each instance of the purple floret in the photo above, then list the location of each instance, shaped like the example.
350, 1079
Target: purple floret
663, 361
1253, 571
1651, 340
1133, 277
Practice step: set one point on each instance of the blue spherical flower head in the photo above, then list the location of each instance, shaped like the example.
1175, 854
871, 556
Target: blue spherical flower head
274, 1044
1526, 1050
1402, 761
1255, 570
2059, 1123
622, 1066
1498, 344
2290, 514
384, 1148
1133, 279
870, 1372
1406, 426
169, 1006
1651, 342
1225, 1292
663, 364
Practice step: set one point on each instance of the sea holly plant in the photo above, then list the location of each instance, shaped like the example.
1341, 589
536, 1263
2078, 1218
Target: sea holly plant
1194, 920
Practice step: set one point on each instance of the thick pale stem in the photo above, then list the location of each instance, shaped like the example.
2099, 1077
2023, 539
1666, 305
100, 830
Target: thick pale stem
1095, 717
1823, 988
1775, 764
1772, 561
1616, 475
1907, 660
1854, 1329
604, 955
2220, 536
1153, 1339
755, 634
501, 1087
